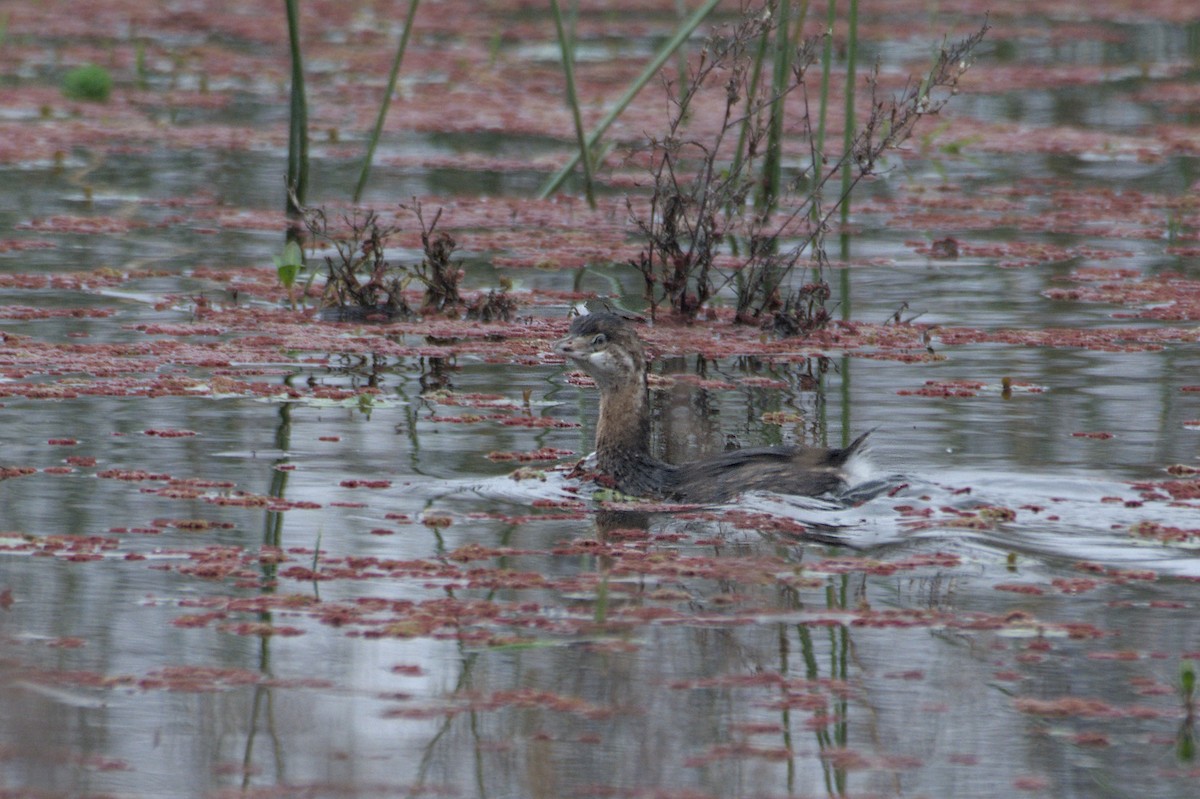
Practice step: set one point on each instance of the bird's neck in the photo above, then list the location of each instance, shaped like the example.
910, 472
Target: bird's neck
623, 429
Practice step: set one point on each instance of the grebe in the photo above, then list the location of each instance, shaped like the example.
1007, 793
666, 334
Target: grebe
606, 347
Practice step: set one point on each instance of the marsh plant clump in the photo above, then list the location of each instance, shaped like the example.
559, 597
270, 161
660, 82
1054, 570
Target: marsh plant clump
361, 283
440, 274
88, 82
720, 215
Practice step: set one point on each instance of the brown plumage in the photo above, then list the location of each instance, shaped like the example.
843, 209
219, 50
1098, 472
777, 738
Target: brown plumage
606, 347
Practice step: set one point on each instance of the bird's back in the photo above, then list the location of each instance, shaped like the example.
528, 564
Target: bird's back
807, 471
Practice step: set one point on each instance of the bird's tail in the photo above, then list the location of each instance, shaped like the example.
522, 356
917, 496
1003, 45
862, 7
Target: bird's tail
839, 457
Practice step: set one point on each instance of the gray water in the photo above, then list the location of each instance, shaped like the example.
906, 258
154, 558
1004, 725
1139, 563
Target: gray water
899, 649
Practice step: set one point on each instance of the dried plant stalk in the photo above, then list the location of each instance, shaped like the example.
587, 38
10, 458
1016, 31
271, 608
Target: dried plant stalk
705, 229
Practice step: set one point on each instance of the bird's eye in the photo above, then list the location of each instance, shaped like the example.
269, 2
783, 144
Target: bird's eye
599, 340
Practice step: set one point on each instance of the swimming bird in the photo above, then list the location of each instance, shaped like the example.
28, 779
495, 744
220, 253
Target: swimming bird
606, 347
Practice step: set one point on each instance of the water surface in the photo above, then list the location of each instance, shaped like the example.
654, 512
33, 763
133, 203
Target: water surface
251, 594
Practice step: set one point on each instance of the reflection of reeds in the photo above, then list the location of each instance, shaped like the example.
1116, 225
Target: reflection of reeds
1185, 742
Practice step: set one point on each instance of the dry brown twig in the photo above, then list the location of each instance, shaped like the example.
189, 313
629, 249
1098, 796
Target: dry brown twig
701, 231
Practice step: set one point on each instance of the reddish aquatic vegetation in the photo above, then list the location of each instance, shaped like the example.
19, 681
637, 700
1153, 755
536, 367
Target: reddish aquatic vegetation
66, 642
70, 281
1170, 297
408, 670
355, 483
983, 517
1102, 339
764, 522
179, 330
224, 334
1082, 631
559, 503
474, 399
7, 472
944, 389
1164, 533
260, 629
1124, 654
1031, 783
203, 679
469, 552
193, 525
170, 433
738, 751
62, 442
763, 382
1090, 739
244, 500
541, 700
26, 313
1178, 490
537, 422
1077, 707
1009, 254
1020, 588
196, 620
1074, 585
1099, 435
89, 225
854, 760
20, 245
542, 454
469, 418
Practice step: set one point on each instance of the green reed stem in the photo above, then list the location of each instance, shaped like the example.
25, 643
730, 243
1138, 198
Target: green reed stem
297, 171
826, 63
851, 76
847, 143
681, 35
681, 65
568, 60
751, 94
373, 142
773, 161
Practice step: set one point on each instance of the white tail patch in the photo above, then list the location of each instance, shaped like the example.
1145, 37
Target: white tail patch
860, 468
